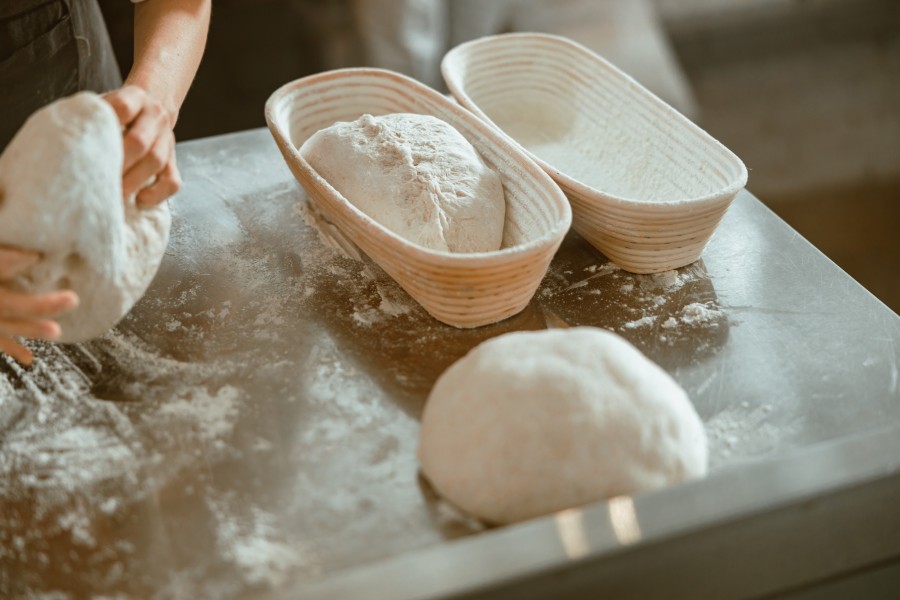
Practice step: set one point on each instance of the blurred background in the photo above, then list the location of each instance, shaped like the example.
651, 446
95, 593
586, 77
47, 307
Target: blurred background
806, 92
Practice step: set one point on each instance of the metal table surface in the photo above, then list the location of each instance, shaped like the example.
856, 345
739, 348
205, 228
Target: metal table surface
250, 429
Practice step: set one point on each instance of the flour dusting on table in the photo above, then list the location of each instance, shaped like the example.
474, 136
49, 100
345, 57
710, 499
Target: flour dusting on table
744, 432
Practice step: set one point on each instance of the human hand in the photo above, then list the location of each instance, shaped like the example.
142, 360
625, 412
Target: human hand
149, 168
27, 315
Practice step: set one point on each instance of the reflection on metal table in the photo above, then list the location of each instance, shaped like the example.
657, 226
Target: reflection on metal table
250, 429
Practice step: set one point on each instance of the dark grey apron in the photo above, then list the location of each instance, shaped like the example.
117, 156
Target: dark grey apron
50, 49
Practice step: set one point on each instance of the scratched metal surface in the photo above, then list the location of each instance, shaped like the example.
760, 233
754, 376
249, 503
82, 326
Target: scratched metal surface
325, 364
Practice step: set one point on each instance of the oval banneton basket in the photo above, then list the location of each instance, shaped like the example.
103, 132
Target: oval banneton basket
463, 290
648, 187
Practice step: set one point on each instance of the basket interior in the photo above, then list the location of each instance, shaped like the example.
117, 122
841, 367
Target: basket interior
591, 122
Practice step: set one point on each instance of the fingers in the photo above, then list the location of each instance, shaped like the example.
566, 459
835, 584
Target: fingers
28, 316
150, 166
168, 182
143, 135
149, 146
38, 330
16, 350
127, 101
142, 118
13, 261
15, 305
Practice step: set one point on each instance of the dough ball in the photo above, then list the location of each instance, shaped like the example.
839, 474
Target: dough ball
417, 176
530, 423
61, 179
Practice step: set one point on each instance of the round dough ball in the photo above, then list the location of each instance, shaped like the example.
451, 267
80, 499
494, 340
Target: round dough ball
61, 180
530, 423
417, 176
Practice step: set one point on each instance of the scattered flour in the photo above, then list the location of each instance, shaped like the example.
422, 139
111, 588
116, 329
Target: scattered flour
743, 433
642, 322
78, 449
73, 455
75, 460
79, 525
391, 303
701, 314
213, 414
356, 274
392, 308
596, 271
667, 280
330, 237
58, 443
365, 315
692, 315
248, 538
604, 269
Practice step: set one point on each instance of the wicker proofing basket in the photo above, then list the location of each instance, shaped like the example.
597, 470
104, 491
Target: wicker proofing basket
686, 179
463, 290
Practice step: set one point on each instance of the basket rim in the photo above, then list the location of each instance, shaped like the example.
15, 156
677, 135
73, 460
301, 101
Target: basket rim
456, 57
277, 111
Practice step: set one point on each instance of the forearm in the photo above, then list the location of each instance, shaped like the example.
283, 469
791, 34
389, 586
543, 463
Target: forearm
169, 37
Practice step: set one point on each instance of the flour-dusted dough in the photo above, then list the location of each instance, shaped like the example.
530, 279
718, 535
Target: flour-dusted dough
530, 423
417, 176
61, 180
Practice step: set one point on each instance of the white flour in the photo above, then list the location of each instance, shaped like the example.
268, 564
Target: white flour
744, 432
63, 444
736, 433
78, 459
390, 303
415, 175
642, 322
57, 444
212, 414
248, 538
692, 315
369, 309
700, 314
601, 150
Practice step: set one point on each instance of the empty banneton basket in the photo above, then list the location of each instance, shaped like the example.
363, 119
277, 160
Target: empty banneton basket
463, 290
648, 187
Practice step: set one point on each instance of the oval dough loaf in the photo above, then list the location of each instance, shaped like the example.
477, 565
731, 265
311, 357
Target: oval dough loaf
61, 178
531, 423
417, 176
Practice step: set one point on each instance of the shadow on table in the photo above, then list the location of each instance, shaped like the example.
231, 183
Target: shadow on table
672, 317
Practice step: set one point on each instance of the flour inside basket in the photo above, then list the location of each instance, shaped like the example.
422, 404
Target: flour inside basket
610, 153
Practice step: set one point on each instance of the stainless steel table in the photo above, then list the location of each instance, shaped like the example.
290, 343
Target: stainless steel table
250, 429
